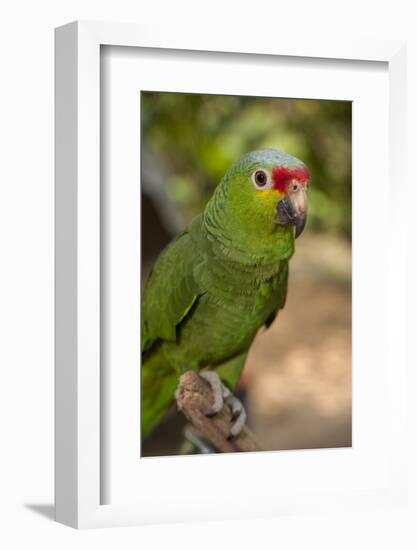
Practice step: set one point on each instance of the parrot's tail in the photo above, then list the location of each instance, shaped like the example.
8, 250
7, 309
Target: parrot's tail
158, 384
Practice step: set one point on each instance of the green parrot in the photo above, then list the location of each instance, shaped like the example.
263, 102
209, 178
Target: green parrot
220, 281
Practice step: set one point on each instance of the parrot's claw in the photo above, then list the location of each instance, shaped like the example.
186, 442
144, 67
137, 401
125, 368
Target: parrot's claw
198, 443
221, 395
217, 387
238, 412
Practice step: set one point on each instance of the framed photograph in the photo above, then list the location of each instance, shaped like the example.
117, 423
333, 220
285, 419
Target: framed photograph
222, 247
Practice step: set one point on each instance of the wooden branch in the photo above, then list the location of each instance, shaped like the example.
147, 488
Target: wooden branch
195, 399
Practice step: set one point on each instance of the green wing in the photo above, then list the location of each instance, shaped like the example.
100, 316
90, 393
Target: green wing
170, 292
280, 296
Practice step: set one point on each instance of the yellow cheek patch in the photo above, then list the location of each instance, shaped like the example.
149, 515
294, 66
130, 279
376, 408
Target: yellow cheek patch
271, 193
266, 204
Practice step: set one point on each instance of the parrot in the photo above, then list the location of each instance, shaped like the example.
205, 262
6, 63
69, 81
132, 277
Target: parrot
218, 282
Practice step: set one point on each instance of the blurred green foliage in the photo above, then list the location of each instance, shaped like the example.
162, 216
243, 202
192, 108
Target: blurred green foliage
197, 138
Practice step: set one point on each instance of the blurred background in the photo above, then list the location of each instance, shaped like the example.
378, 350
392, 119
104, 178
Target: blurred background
297, 381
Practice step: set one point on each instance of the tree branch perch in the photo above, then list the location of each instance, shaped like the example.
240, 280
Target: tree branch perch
195, 399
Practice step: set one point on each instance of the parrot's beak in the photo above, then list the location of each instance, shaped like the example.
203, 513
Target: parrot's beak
292, 209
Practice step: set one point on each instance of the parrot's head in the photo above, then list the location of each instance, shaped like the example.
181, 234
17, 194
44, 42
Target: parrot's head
261, 204
264, 197
266, 190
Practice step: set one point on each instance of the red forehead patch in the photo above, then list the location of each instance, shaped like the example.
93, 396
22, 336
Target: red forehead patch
281, 176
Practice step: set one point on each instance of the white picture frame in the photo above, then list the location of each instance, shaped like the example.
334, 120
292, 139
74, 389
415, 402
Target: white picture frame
78, 404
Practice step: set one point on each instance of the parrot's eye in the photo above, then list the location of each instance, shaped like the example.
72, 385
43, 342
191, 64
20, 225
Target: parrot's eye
260, 178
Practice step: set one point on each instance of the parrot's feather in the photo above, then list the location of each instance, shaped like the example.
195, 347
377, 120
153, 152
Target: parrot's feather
158, 387
281, 297
170, 293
